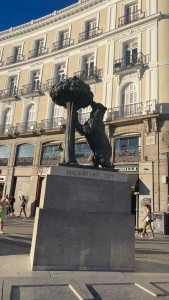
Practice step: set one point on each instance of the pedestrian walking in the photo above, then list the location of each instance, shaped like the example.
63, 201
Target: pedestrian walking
147, 221
23, 205
11, 203
3, 211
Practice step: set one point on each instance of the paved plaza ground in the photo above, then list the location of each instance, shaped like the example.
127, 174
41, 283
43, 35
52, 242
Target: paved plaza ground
18, 282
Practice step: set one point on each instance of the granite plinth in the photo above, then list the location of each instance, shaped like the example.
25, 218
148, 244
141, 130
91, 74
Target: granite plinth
83, 223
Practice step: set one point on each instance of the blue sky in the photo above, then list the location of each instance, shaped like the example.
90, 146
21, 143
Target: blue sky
17, 12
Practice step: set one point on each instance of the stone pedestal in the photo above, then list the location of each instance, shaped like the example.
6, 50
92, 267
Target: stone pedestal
84, 222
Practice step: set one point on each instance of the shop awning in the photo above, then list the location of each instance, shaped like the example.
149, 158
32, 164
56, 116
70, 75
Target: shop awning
133, 179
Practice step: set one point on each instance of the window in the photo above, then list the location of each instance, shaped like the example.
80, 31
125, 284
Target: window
17, 54
51, 154
87, 67
25, 154
84, 114
35, 80
82, 152
7, 119
57, 120
4, 155
13, 83
127, 149
64, 39
60, 72
91, 30
131, 52
127, 144
130, 100
131, 13
31, 113
39, 47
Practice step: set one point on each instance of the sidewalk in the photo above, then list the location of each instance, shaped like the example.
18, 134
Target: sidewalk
151, 276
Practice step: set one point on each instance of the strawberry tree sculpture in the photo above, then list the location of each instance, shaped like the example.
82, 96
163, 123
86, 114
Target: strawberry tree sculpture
73, 94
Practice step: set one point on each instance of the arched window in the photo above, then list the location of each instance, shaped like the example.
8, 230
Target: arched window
25, 155
30, 123
51, 153
130, 99
31, 113
4, 155
82, 152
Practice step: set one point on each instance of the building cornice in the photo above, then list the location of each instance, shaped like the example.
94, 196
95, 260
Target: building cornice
58, 15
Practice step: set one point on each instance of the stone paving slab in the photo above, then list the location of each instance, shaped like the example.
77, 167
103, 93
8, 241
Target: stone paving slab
105, 287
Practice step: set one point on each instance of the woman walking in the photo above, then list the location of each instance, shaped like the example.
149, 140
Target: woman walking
3, 210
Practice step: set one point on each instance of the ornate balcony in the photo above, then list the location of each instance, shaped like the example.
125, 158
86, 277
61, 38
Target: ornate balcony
52, 124
27, 127
50, 82
6, 130
128, 63
37, 52
62, 44
24, 161
133, 110
127, 155
3, 161
49, 160
31, 90
89, 34
90, 75
82, 158
14, 59
9, 94
130, 18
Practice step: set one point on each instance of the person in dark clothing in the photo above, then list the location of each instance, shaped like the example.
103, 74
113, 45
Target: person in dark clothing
23, 204
147, 220
11, 203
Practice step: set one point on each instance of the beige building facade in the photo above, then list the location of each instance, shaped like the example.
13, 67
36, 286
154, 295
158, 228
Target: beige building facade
121, 49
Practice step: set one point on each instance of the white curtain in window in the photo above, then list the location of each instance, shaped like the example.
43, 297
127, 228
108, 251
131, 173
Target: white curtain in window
31, 113
130, 99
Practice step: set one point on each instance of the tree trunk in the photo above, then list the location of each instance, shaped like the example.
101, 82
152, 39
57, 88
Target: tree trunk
70, 135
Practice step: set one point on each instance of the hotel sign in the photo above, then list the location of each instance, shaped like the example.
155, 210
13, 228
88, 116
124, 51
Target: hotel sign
128, 169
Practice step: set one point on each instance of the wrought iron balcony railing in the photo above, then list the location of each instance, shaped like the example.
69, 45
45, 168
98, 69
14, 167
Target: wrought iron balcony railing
9, 94
133, 110
49, 160
83, 117
31, 126
132, 60
24, 161
6, 129
52, 81
14, 59
89, 74
37, 52
89, 34
129, 18
3, 161
62, 44
31, 90
49, 124
127, 154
